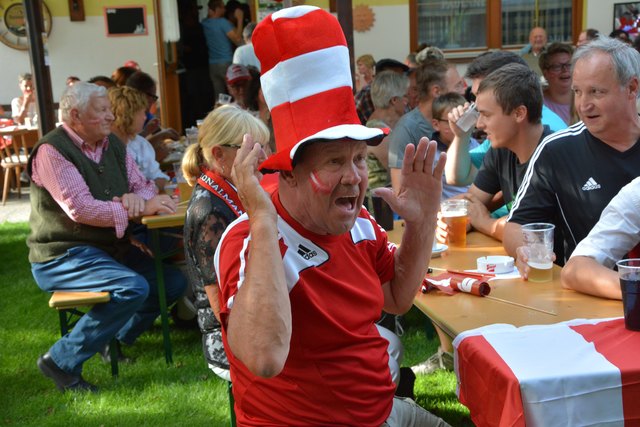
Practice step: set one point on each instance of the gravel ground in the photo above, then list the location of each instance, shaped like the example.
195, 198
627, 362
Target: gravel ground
16, 209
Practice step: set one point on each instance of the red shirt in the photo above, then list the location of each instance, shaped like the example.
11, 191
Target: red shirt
337, 370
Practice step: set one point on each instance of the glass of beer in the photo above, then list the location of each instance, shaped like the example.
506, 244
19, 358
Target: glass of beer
629, 273
184, 189
538, 238
455, 215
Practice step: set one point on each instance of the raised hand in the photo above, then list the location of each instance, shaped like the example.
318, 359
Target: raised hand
246, 177
418, 198
454, 116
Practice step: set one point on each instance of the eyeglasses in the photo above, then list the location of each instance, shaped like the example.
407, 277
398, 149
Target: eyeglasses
152, 96
554, 68
266, 147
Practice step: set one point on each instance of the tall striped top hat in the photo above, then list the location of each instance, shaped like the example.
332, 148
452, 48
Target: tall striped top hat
306, 82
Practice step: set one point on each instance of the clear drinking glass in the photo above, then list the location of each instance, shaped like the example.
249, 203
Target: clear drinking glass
538, 238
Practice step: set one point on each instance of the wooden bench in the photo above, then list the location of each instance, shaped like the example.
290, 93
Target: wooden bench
67, 304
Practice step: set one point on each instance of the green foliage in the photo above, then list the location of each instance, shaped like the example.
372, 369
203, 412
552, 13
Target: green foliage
147, 392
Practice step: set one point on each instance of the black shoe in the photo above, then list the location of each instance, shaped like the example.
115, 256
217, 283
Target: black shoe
106, 353
407, 381
63, 380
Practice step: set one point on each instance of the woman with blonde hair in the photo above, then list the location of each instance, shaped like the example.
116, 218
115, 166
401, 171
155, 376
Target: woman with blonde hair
213, 206
129, 106
365, 69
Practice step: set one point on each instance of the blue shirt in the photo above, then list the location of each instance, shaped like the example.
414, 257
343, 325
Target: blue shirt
218, 44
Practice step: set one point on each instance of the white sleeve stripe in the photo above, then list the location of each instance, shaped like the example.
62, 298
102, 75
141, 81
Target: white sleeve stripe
243, 261
576, 129
216, 255
241, 273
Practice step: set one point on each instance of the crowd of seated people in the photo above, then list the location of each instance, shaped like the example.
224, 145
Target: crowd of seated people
551, 140
502, 197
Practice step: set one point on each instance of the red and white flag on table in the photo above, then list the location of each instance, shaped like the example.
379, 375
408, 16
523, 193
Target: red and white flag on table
576, 373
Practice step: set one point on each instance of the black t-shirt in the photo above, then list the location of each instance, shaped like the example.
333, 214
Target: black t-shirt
502, 171
571, 177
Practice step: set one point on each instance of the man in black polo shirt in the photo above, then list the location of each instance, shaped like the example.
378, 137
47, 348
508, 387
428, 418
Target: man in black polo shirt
573, 174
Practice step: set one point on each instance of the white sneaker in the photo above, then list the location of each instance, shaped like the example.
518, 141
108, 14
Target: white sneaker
440, 360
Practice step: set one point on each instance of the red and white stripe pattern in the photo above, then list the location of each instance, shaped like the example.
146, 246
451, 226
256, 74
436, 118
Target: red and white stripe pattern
306, 81
576, 373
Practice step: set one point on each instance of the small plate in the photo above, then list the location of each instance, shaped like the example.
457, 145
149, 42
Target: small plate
438, 249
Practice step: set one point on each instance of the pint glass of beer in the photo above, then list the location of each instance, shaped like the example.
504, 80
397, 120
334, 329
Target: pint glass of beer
538, 238
455, 215
184, 189
629, 273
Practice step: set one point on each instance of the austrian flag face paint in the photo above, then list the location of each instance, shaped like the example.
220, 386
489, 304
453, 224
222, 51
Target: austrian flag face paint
317, 185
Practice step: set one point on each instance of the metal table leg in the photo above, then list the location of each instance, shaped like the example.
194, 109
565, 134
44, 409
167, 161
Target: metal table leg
162, 296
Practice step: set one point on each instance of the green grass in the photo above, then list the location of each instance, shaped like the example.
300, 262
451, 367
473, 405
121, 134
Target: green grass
147, 392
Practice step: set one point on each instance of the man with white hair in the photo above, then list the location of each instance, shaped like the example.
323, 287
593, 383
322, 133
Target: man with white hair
574, 174
84, 190
537, 44
305, 273
245, 55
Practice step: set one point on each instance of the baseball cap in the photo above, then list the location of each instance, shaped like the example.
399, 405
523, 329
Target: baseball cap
237, 73
133, 64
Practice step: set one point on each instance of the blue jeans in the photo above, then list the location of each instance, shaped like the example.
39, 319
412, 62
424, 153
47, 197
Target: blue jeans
132, 309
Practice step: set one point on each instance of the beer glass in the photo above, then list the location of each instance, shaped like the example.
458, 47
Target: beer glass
538, 238
455, 215
629, 273
184, 189
192, 135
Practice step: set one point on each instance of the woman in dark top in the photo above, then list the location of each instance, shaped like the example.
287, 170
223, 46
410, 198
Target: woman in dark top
207, 165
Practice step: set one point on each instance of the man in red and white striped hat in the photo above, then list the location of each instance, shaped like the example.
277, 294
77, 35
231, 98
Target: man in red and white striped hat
305, 273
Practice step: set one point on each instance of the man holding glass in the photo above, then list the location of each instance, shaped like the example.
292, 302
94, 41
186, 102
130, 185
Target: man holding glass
509, 101
573, 174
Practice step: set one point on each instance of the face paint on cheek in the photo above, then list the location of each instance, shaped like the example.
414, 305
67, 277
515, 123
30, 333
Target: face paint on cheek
317, 185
